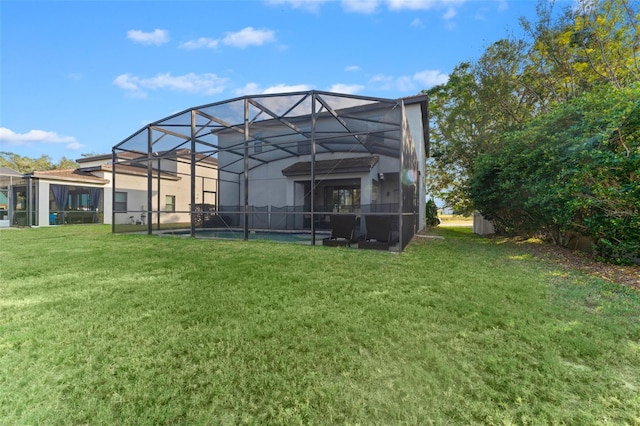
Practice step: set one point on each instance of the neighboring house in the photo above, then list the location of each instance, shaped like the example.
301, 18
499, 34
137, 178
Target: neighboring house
85, 194
170, 186
288, 161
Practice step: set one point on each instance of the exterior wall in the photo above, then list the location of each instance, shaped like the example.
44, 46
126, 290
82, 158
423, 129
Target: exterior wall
268, 186
414, 117
136, 189
179, 187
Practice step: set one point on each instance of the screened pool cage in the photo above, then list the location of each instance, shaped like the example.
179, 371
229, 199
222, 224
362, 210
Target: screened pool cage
275, 166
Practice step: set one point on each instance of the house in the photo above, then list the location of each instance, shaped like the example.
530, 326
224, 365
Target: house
85, 194
288, 162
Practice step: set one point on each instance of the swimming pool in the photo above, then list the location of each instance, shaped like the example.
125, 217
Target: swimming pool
273, 235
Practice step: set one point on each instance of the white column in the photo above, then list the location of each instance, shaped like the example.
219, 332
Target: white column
43, 202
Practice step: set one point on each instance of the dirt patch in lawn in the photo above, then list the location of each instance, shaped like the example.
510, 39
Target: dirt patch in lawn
569, 259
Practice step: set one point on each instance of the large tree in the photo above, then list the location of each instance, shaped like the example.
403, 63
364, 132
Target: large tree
586, 45
567, 53
480, 102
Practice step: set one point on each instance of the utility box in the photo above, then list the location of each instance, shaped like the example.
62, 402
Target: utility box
482, 226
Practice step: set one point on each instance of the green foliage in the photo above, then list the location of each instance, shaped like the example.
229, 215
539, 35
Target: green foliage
575, 170
589, 44
565, 55
432, 213
27, 164
541, 135
469, 113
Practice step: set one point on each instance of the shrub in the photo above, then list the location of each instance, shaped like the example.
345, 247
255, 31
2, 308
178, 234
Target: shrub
573, 170
432, 213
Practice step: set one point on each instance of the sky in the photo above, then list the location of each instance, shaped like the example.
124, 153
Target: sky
78, 77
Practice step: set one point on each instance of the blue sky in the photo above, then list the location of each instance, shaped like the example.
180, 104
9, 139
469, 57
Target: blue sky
78, 77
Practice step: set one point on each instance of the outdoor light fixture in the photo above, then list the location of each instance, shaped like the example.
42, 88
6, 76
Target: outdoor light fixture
380, 176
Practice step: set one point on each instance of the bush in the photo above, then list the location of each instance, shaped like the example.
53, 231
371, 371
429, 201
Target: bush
432, 214
573, 170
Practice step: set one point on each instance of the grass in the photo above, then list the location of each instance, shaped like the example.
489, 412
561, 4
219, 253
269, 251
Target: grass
454, 218
97, 328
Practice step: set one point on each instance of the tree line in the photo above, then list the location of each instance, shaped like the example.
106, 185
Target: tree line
541, 134
25, 164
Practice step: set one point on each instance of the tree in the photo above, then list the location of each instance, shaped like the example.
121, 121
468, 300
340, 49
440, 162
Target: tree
587, 45
479, 103
572, 171
27, 165
565, 56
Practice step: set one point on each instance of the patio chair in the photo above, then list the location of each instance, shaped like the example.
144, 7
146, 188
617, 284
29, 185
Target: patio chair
342, 231
379, 233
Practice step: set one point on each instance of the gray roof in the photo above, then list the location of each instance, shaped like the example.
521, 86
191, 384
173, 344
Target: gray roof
341, 165
9, 172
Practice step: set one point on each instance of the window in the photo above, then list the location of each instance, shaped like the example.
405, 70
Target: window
120, 202
304, 147
170, 203
345, 199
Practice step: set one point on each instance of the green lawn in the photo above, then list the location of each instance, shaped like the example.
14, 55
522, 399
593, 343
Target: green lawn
97, 328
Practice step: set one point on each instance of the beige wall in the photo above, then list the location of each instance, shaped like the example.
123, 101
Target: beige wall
180, 188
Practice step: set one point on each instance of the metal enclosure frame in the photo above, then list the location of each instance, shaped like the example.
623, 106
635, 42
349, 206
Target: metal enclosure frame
253, 140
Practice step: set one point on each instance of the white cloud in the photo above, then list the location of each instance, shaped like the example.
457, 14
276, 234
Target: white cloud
285, 88
248, 89
404, 84
207, 84
417, 23
201, 43
75, 146
372, 6
249, 37
423, 4
420, 80
10, 137
449, 14
352, 68
450, 7
382, 80
127, 82
156, 37
430, 78
502, 5
360, 6
255, 89
307, 5
349, 89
